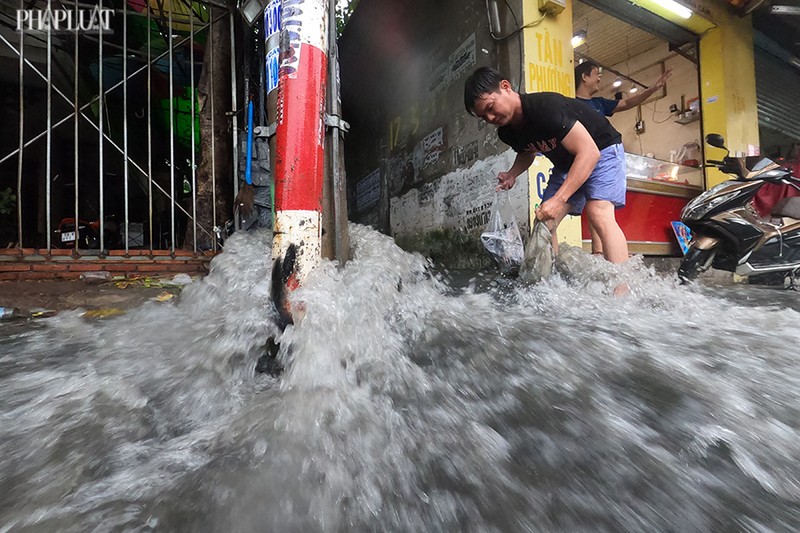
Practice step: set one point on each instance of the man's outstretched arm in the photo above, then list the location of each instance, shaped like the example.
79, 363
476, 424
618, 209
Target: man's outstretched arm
641, 96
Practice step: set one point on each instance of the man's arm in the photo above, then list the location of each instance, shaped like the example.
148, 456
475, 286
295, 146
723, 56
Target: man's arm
506, 180
579, 143
636, 99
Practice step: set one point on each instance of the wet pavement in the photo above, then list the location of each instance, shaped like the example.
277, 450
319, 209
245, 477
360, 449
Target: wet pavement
59, 295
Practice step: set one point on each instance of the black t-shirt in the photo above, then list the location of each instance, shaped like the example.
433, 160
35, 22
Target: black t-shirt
548, 117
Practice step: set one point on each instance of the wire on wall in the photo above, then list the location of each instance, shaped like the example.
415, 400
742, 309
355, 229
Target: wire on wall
516, 23
517, 31
669, 117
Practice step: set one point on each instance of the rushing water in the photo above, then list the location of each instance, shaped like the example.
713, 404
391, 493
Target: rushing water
411, 401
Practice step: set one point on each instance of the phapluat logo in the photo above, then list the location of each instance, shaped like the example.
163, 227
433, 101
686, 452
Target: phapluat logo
95, 20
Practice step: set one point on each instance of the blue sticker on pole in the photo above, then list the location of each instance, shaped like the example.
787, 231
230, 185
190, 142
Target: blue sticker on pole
272, 23
272, 18
273, 67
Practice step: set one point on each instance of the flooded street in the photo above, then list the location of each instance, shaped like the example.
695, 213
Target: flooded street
412, 401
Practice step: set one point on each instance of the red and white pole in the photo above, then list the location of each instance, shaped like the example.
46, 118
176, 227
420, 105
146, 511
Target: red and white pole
300, 137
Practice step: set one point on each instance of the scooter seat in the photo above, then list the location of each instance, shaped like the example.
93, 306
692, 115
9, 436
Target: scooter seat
788, 207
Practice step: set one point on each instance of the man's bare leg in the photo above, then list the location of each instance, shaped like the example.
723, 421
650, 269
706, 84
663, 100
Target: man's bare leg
601, 216
597, 246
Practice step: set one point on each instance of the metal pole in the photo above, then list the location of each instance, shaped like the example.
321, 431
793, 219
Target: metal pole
299, 157
339, 189
48, 163
235, 107
21, 136
75, 128
212, 97
102, 96
262, 67
272, 23
125, 118
194, 148
171, 142
149, 136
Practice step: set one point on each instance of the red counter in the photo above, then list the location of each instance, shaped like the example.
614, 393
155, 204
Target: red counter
646, 218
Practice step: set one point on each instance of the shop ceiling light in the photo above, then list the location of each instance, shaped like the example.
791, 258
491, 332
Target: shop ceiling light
252, 9
617, 83
675, 7
579, 38
785, 10
633, 89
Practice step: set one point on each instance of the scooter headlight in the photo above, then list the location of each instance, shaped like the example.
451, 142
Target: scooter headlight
701, 205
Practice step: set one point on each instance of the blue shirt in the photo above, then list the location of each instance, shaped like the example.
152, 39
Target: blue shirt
604, 106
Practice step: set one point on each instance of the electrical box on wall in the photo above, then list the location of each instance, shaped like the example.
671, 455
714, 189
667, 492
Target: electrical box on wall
552, 7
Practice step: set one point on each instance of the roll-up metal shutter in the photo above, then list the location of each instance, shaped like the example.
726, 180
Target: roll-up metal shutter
777, 94
641, 18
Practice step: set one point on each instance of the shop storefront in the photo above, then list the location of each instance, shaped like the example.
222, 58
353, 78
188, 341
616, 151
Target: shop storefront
709, 49
423, 170
662, 135
735, 72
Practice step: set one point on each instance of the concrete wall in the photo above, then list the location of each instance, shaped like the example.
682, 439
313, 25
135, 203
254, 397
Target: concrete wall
419, 166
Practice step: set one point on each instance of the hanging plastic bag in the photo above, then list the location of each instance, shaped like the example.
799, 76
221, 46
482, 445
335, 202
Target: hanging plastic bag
502, 238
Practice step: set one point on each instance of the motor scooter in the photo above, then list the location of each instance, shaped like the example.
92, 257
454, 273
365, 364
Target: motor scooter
729, 234
87, 233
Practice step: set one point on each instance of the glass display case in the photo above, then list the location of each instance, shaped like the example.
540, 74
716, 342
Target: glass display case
649, 169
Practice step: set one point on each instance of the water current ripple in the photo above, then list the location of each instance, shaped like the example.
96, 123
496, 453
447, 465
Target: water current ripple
413, 400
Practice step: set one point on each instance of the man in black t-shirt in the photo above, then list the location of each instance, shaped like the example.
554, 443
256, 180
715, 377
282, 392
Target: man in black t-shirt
586, 152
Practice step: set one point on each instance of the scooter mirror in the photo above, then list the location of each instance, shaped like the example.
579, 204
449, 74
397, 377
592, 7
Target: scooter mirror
716, 140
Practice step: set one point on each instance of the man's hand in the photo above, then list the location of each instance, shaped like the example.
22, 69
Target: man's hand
505, 180
662, 80
639, 98
551, 209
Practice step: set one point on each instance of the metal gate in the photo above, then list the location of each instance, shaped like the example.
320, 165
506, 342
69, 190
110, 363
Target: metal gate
105, 107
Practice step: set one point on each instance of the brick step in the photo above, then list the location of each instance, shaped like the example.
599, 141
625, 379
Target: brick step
28, 264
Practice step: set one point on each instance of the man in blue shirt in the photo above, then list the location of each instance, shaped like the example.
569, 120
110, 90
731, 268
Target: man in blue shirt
587, 84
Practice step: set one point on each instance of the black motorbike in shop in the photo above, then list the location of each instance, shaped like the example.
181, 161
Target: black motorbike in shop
727, 232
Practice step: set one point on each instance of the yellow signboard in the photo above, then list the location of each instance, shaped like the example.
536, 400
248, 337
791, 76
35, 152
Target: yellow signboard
549, 66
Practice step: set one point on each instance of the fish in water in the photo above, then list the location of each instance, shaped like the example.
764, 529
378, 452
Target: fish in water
537, 264
283, 271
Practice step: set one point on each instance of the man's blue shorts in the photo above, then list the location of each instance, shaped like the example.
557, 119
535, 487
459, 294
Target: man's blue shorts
606, 182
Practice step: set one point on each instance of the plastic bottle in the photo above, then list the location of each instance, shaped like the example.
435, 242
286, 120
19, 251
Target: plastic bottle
7, 313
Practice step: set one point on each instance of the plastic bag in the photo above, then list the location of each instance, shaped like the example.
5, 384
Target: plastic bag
539, 260
502, 238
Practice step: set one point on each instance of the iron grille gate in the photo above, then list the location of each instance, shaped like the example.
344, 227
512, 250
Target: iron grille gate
106, 149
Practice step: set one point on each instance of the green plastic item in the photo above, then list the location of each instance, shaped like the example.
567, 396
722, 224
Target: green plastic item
182, 117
